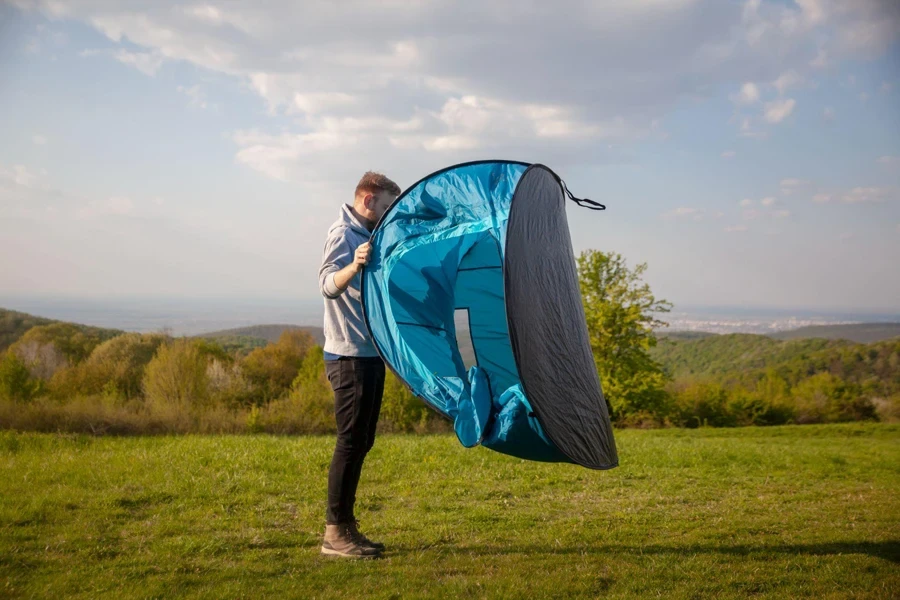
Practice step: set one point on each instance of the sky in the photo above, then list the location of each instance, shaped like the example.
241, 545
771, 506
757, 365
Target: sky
748, 152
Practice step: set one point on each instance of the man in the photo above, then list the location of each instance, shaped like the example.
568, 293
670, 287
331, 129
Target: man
352, 364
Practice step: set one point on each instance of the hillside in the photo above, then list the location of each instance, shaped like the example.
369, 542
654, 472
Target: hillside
744, 357
863, 333
684, 335
718, 354
269, 333
14, 324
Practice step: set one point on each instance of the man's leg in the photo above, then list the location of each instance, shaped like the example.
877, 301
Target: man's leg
372, 376
352, 417
375, 371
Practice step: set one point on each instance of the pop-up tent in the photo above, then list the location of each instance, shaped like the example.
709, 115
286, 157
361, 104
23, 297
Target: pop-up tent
488, 242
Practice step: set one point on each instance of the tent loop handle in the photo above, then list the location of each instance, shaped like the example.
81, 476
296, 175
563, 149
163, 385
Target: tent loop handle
583, 202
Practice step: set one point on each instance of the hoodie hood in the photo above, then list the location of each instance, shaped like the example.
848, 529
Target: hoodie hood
346, 219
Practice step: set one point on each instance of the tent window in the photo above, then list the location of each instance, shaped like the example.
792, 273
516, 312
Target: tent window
464, 337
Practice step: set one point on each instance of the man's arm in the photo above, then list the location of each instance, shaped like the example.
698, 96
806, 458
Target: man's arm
333, 277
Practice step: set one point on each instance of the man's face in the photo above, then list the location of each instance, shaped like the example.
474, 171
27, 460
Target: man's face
380, 203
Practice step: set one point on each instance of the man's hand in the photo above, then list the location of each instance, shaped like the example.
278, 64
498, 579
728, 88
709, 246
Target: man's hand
343, 277
361, 257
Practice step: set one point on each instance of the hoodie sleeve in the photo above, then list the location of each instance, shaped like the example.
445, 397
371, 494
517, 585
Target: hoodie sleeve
336, 256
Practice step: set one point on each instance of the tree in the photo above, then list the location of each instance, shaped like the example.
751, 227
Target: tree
311, 393
177, 375
116, 365
16, 383
619, 309
75, 342
271, 370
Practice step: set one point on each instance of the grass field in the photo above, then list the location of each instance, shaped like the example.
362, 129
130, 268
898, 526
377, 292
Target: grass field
811, 511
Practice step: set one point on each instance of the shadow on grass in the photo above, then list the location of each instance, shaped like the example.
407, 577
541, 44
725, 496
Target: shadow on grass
889, 550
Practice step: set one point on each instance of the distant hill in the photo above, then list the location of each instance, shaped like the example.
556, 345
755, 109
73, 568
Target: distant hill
684, 335
719, 354
744, 358
269, 333
863, 333
14, 324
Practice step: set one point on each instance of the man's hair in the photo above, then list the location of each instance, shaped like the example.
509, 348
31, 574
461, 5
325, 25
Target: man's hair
372, 183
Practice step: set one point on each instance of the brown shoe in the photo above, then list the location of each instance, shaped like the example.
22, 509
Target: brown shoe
341, 540
354, 525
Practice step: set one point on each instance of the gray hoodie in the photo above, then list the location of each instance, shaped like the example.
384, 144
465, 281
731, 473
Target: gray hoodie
345, 329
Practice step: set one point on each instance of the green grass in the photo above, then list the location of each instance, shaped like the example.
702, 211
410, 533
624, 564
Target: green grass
810, 511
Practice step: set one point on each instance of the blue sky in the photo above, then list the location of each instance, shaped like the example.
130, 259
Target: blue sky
749, 152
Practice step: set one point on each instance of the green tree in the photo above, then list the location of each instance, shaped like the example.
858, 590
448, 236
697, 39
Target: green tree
116, 366
16, 384
177, 375
75, 342
619, 309
401, 410
824, 398
704, 404
312, 393
271, 370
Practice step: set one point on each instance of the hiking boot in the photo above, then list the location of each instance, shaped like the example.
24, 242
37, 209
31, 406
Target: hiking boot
342, 540
354, 525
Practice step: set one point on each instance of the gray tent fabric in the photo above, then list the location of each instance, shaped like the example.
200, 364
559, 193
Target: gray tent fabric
547, 328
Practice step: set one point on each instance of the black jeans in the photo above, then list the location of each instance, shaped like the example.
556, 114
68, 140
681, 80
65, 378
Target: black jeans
358, 385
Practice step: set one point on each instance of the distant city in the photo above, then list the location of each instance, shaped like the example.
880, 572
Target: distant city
766, 320
192, 316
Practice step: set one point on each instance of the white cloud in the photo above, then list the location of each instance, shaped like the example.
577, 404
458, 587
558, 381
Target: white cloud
147, 63
766, 209
863, 97
748, 94
867, 27
749, 130
116, 205
443, 142
778, 110
473, 88
736, 228
196, 97
278, 155
218, 16
828, 114
792, 185
39, 140
787, 80
813, 11
846, 236
860, 195
857, 195
683, 212
19, 175
729, 154
889, 161
315, 103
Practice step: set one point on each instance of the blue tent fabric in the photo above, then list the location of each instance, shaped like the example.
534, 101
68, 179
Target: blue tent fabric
446, 245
